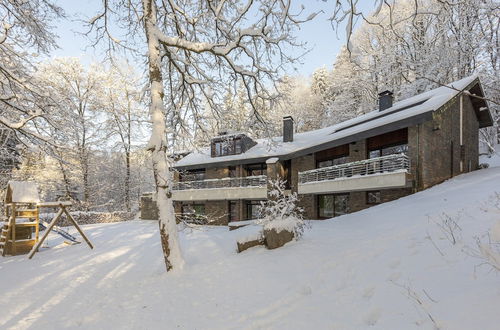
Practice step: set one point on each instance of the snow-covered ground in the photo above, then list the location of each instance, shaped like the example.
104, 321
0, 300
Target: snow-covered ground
388, 267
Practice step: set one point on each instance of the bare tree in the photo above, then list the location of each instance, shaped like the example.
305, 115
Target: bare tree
24, 30
200, 47
120, 100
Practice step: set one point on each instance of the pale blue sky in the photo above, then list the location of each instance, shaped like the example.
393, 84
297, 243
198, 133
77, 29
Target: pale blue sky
324, 41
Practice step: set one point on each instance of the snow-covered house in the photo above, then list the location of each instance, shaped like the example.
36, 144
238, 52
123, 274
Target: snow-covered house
388, 153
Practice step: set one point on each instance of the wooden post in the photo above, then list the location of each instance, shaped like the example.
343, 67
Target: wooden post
13, 229
76, 225
45, 234
37, 220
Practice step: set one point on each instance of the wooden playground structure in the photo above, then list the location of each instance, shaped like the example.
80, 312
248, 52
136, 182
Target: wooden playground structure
21, 226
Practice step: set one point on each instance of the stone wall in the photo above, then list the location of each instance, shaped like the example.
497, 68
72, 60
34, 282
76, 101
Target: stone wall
149, 210
307, 202
440, 151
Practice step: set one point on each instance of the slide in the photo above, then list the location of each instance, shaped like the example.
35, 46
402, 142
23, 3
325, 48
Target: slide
44, 225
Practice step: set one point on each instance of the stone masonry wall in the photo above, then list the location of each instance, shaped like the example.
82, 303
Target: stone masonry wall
440, 144
307, 202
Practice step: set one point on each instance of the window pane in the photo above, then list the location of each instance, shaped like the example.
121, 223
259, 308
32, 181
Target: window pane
233, 211
341, 205
237, 146
340, 160
402, 148
374, 154
325, 206
325, 163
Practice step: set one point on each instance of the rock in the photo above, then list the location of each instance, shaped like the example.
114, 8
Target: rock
242, 246
274, 239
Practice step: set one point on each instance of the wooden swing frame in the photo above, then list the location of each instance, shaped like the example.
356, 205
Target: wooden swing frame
62, 209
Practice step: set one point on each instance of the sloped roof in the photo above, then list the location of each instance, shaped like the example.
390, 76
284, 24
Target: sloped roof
22, 192
410, 111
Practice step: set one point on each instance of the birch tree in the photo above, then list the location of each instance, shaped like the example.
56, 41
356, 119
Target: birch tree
195, 49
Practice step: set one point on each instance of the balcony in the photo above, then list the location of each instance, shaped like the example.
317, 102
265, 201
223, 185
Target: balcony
371, 174
250, 187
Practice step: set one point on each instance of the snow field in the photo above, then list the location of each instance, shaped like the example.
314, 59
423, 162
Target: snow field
387, 267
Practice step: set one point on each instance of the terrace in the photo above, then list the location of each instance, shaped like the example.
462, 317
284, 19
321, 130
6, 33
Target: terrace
376, 173
250, 187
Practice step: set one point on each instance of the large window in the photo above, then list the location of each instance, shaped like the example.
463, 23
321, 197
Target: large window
256, 169
332, 162
230, 146
391, 150
333, 156
391, 143
330, 206
253, 209
194, 213
192, 175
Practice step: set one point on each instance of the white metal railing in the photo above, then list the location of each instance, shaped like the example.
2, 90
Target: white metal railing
391, 163
249, 181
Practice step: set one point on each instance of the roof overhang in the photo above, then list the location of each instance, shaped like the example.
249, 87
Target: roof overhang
479, 104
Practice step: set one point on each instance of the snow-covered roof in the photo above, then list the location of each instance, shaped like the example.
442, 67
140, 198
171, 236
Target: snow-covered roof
22, 192
275, 147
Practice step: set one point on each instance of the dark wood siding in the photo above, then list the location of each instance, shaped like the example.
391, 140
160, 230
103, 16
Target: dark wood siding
332, 153
392, 138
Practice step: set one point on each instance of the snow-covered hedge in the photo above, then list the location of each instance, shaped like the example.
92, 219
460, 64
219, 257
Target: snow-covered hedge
85, 218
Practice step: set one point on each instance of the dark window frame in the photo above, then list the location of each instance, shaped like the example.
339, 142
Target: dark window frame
248, 207
192, 175
334, 211
227, 147
259, 167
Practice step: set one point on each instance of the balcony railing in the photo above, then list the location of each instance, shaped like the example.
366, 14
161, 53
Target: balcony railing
249, 181
385, 164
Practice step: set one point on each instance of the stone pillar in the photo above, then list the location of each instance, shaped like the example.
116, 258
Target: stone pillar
307, 202
358, 151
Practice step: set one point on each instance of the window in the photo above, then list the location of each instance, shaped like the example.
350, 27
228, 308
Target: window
256, 169
193, 212
391, 143
330, 206
373, 197
332, 162
333, 156
233, 211
325, 206
253, 209
192, 175
228, 146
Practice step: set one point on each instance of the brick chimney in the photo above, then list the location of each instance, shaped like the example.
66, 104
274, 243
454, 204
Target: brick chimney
288, 129
385, 100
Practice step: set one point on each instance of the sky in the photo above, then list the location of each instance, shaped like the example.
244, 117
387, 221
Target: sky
323, 41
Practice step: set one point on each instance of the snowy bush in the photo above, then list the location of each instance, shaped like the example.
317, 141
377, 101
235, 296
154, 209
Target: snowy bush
280, 211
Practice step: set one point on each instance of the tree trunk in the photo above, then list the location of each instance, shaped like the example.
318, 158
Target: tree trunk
127, 181
158, 145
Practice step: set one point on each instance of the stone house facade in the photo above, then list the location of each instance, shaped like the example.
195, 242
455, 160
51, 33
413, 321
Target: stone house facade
384, 155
